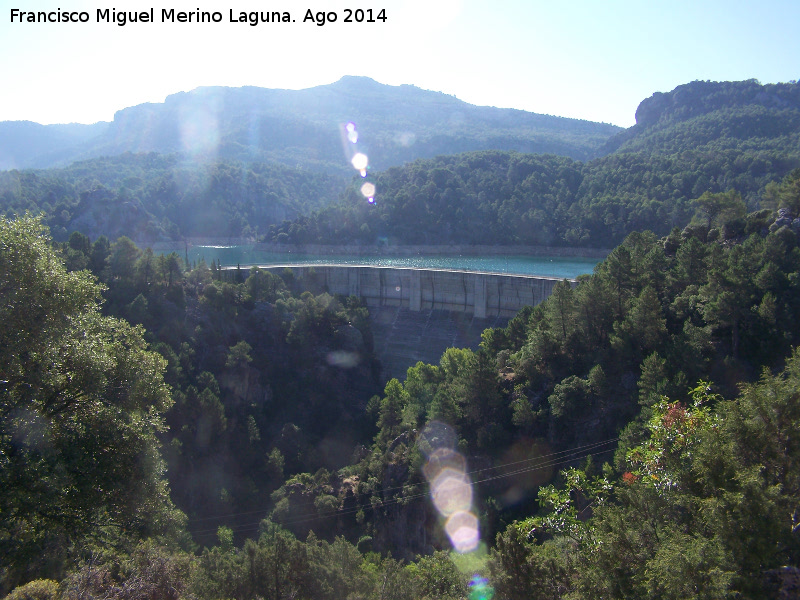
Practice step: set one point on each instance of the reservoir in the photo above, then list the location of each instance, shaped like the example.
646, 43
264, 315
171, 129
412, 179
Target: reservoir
548, 266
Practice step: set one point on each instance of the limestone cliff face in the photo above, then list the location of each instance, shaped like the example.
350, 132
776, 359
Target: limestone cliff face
701, 97
412, 528
650, 110
244, 386
744, 109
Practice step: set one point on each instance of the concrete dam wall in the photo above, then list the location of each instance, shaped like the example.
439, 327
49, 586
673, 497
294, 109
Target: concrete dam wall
480, 294
416, 314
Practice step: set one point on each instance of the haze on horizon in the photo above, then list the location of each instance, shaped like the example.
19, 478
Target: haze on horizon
579, 59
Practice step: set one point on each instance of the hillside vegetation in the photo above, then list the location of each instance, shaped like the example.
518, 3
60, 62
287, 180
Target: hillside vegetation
700, 113
182, 431
632, 368
152, 197
498, 198
702, 137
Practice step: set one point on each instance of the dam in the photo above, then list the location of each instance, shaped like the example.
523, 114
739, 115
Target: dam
417, 313
479, 294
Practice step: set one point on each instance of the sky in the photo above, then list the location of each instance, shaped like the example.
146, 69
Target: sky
592, 59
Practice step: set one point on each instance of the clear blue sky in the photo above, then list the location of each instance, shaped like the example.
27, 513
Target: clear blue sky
590, 59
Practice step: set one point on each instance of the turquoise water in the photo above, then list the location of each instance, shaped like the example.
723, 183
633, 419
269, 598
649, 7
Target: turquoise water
516, 265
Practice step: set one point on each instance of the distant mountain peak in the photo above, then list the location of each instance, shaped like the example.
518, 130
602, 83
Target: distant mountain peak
398, 123
357, 80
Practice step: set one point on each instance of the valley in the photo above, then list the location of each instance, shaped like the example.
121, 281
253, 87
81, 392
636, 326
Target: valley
225, 374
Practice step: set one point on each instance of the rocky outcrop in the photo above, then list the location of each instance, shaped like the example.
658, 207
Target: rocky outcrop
701, 97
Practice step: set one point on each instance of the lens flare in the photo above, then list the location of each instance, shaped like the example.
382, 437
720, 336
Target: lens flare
437, 436
479, 589
451, 488
200, 130
462, 527
405, 139
451, 492
343, 359
368, 190
442, 459
359, 162
352, 133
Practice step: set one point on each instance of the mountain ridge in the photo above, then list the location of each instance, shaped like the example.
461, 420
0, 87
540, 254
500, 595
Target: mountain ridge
701, 105
279, 176
303, 127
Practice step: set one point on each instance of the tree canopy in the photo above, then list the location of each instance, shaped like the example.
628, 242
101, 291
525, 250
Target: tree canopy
81, 406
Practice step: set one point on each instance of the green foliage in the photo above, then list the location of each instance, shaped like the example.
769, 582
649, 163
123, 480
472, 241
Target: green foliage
653, 381
785, 194
569, 397
704, 507
702, 140
705, 511
250, 367
506, 198
390, 415
336, 570
239, 355
38, 589
643, 328
522, 570
701, 112
673, 432
280, 566
523, 415
149, 571
225, 537
720, 209
436, 576
591, 360
275, 566
707, 146
81, 402
569, 506
152, 197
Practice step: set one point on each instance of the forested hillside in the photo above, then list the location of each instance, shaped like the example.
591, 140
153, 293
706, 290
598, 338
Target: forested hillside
174, 430
270, 415
702, 137
501, 198
263, 379
701, 113
152, 197
657, 316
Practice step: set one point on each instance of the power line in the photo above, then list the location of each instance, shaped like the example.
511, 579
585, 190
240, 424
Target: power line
565, 457
473, 472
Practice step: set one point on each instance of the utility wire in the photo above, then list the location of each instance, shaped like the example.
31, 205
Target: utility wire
569, 456
569, 452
